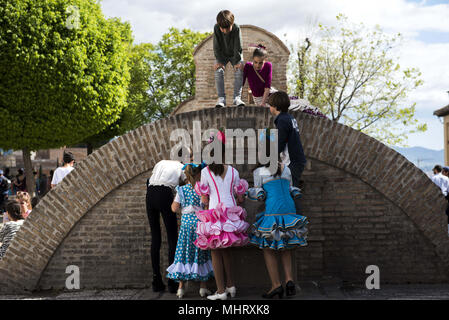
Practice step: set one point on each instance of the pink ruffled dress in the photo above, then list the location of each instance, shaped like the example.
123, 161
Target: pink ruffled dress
223, 225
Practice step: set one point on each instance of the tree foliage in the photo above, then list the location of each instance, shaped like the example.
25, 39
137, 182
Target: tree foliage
63, 72
351, 73
172, 71
162, 76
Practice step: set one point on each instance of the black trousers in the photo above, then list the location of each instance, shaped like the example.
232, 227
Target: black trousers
158, 202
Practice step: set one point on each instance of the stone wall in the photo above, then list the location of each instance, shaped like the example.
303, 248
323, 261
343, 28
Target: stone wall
366, 203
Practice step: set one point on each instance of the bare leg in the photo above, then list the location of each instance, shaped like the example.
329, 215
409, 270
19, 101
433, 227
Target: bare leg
228, 267
203, 284
286, 256
181, 285
217, 264
272, 267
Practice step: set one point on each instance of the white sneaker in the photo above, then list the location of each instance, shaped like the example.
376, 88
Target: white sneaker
238, 102
218, 296
221, 102
180, 293
204, 292
231, 291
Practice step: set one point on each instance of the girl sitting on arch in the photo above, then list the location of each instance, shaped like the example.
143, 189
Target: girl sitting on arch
259, 74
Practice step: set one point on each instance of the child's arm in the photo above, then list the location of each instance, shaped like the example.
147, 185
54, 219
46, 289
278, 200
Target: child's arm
176, 204
267, 83
238, 45
217, 48
283, 130
175, 207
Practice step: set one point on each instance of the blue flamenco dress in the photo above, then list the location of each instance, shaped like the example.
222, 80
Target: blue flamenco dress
278, 227
191, 263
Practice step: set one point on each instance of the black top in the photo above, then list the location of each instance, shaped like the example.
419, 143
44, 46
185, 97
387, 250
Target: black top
288, 134
228, 47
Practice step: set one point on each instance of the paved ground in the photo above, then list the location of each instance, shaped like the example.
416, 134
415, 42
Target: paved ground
331, 290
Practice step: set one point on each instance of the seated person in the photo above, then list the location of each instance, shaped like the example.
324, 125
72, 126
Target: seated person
10, 228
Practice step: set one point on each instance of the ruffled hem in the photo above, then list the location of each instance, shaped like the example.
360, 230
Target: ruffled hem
224, 240
221, 228
186, 271
263, 243
280, 228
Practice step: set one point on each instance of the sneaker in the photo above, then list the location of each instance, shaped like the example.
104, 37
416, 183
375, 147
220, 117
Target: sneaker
238, 102
220, 103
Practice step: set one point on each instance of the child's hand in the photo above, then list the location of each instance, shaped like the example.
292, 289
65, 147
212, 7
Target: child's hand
205, 200
218, 66
240, 199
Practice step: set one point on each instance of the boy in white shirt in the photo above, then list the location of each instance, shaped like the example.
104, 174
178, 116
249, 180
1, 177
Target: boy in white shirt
61, 172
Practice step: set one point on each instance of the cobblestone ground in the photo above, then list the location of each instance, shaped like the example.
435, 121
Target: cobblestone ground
309, 291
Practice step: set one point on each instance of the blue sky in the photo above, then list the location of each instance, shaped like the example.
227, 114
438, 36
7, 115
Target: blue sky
423, 23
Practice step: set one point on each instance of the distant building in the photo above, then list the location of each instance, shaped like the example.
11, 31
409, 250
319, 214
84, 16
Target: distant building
444, 112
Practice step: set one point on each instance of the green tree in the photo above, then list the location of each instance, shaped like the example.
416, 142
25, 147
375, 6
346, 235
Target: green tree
138, 110
162, 76
63, 73
172, 71
351, 73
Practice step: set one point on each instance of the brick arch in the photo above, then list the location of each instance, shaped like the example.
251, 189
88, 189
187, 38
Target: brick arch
135, 153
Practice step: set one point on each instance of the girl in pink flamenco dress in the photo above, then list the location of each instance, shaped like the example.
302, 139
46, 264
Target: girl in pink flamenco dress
223, 224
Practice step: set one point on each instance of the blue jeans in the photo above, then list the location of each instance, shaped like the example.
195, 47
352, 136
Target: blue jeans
219, 81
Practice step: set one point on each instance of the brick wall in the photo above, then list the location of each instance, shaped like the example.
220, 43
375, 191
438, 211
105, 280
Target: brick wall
366, 204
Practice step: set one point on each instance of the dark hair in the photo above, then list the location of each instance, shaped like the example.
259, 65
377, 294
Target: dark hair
20, 171
279, 100
218, 168
13, 209
445, 170
34, 201
68, 157
260, 51
437, 168
192, 174
225, 19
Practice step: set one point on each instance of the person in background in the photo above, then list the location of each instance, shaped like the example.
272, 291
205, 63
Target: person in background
20, 183
34, 201
10, 228
442, 181
61, 172
445, 174
5, 184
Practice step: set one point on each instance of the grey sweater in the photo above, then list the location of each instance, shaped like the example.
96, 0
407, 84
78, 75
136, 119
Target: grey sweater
228, 47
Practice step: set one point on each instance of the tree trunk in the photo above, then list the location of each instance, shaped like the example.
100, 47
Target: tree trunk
28, 171
90, 148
